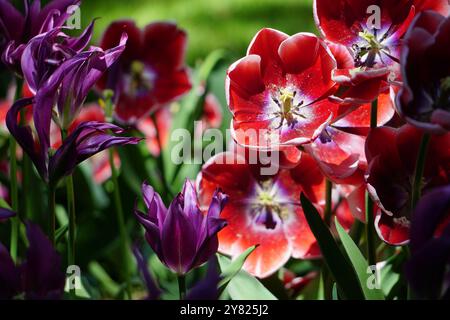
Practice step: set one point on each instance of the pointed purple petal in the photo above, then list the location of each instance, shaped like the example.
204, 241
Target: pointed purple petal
42, 274
9, 275
24, 136
190, 203
6, 214
88, 139
155, 206
207, 289
178, 239
152, 289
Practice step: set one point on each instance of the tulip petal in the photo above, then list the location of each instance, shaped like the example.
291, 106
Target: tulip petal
42, 274
9, 277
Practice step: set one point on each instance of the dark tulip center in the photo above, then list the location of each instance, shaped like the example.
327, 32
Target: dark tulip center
141, 80
266, 209
443, 100
373, 48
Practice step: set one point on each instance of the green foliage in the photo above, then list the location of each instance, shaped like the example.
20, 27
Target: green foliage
243, 286
211, 25
339, 266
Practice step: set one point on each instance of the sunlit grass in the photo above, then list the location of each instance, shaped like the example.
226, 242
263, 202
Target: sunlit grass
211, 24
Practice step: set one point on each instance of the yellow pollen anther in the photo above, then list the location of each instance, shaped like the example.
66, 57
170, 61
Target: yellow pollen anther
445, 84
371, 40
265, 199
137, 67
286, 100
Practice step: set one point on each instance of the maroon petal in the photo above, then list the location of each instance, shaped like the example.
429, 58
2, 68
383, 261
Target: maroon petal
164, 46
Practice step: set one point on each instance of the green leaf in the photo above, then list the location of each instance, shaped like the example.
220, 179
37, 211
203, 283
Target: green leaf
244, 286
233, 268
80, 293
4, 204
59, 234
335, 292
313, 290
359, 264
391, 274
338, 264
105, 281
98, 198
191, 109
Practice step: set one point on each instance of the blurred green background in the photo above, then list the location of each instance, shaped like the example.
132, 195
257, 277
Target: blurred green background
211, 24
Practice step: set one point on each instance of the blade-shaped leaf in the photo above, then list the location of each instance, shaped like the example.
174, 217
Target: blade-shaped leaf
233, 268
244, 286
338, 264
59, 234
191, 109
335, 292
359, 264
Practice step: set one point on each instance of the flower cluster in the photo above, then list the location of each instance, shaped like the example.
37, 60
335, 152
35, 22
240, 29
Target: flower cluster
318, 100
355, 121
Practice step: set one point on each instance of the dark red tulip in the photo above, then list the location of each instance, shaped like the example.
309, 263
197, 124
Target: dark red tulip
151, 73
392, 155
424, 100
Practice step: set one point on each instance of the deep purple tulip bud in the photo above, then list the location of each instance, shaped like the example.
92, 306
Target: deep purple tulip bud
428, 269
182, 236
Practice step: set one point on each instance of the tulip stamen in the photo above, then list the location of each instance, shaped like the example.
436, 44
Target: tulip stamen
288, 108
367, 55
140, 79
443, 100
267, 210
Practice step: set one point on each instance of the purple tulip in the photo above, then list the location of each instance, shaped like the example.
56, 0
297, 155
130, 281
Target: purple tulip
88, 139
17, 28
39, 277
182, 236
425, 97
428, 269
47, 51
67, 87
